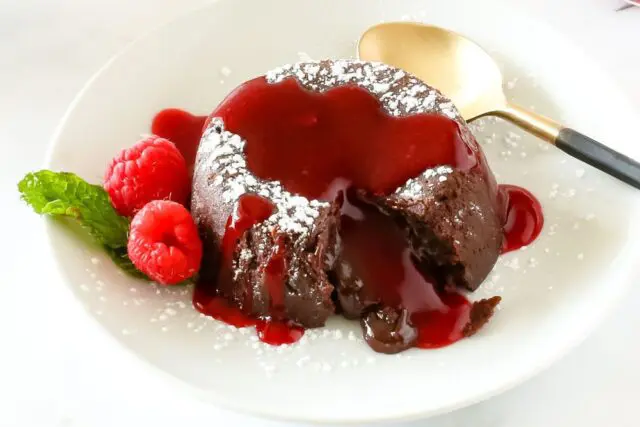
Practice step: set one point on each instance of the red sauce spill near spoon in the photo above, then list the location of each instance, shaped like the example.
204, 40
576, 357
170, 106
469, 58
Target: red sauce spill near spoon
524, 220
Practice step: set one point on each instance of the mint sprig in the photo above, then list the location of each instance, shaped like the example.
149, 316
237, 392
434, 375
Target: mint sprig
64, 194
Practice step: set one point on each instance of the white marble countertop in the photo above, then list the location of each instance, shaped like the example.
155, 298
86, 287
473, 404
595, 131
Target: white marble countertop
53, 374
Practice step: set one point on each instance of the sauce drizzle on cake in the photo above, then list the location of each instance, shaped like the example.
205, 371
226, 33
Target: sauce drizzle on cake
348, 187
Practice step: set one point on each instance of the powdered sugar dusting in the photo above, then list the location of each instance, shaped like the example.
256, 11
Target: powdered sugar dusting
399, 93
414, 188
222, 156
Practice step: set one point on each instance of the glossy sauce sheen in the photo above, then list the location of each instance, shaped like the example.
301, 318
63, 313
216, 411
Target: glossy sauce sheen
380, 256
181, 128
524, 218
269, 331
319, 146
307, 140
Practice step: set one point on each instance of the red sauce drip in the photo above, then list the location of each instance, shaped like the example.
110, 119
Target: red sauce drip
274, 275
218, 308
270, 331
307, 140
181, 128
380, 256
248, 211
439, 328
278, 332
524, 219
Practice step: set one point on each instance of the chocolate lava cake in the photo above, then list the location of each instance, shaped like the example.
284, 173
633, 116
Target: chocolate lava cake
276, 225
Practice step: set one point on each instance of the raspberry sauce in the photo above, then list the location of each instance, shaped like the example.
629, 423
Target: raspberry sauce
181, 128
378, 251
274, 277
249, 210
524, 219
269, 331
307, 140
206, 302
323, 146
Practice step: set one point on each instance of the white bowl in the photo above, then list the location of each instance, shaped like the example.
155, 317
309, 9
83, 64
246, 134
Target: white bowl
553, 292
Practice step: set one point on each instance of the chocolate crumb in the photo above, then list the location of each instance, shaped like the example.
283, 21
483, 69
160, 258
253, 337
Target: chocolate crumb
481, 312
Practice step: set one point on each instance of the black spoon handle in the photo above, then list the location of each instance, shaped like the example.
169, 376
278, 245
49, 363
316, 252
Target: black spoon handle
574, 143
599, 156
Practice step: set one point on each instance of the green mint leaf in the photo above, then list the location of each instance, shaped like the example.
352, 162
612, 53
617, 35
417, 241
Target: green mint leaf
66, 194
63, 194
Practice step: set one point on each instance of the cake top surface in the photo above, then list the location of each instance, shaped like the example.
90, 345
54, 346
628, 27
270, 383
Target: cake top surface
222, 153
399, 93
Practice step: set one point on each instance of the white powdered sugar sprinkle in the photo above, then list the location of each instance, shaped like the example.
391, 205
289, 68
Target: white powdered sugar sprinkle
226, 161
399, 93
415, 187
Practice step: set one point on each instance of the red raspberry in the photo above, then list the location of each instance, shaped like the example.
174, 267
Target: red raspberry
164, 242
153, 169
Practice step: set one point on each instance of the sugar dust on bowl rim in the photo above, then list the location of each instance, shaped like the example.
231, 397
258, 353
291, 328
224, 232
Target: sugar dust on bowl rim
553, 291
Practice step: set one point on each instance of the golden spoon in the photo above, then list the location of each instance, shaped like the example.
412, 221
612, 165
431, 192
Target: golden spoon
464, 72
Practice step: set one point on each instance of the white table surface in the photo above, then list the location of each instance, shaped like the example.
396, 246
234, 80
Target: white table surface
52, 371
